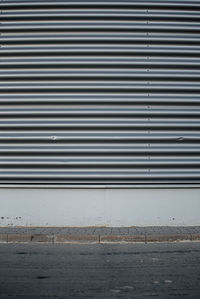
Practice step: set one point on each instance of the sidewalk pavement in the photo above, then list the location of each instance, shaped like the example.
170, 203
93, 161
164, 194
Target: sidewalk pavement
99, 234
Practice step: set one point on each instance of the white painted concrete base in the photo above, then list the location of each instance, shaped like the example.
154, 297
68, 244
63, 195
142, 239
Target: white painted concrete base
102, 207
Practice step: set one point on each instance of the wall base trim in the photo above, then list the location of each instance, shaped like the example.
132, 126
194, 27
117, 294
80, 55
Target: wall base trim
99, 207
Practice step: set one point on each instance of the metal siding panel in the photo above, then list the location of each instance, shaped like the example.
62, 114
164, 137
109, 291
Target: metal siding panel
96, 93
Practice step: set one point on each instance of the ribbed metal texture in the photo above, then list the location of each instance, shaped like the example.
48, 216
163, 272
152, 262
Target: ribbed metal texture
97, 93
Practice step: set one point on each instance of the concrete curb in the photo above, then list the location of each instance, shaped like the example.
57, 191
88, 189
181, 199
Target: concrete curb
67, 238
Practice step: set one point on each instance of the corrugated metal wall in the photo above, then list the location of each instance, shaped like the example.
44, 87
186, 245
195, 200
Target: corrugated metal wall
100, 93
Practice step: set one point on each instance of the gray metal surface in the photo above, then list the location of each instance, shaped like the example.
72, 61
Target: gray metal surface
96, 93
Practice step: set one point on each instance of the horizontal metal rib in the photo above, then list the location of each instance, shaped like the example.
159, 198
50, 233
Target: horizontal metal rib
99, 62
113, 177
94, 26
85, 4
100, 137
99, 86
77, 163
118, 74
98, 39
98, 98
92, 125
114, 150
56, 113
103, 50
98, 13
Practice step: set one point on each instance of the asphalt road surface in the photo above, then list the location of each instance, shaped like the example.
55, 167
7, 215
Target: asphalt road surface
100, 270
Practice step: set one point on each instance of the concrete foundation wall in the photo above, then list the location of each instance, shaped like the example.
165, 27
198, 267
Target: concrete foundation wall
99, 207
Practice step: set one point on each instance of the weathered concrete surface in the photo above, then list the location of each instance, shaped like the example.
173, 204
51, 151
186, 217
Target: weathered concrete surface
100, 271
99, 234
100, 207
